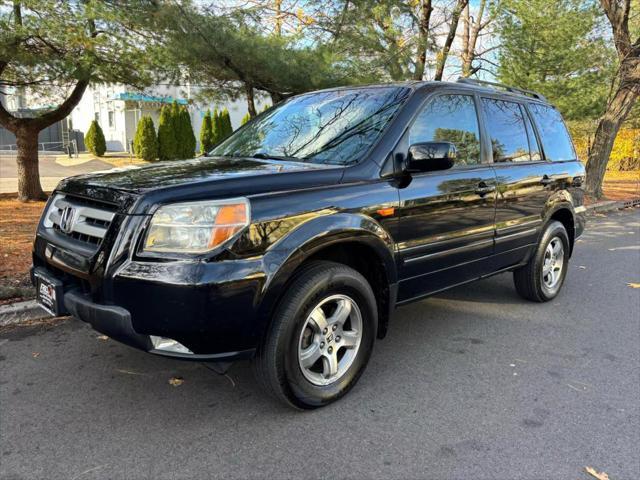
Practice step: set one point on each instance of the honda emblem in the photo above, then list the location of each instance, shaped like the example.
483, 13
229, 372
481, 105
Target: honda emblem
67, 219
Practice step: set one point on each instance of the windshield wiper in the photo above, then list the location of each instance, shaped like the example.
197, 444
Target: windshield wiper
267, 156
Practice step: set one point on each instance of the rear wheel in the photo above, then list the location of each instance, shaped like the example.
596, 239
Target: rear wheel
320, 338
541, 279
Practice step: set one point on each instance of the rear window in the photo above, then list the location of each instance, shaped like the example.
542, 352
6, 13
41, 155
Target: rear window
555, 138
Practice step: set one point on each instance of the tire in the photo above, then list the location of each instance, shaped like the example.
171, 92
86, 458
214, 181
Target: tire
320, 295
541, 279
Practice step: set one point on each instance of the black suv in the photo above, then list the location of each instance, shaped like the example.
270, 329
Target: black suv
293, 241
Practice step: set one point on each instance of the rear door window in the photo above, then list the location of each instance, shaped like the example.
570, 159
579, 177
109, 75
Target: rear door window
555, 138
507, 130
534, 146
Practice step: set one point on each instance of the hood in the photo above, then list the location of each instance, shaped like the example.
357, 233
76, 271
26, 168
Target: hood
138, 179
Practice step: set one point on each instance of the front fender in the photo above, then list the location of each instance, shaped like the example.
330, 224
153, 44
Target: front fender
285, 256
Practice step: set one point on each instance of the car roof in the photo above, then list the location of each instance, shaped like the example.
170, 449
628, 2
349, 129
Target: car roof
472, 85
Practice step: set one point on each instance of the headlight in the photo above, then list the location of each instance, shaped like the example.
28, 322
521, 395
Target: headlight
196, 227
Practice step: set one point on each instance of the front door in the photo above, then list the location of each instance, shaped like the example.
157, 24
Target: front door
446, 222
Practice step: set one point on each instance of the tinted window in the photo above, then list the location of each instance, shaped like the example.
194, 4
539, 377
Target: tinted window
450, 118
534, 146
507, 130
555, 138
335, 127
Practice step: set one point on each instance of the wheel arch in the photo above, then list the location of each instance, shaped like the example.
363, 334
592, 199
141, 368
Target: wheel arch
564, 213
355, 240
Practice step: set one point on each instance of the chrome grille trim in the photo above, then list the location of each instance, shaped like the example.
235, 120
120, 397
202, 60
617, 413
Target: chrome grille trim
88, 222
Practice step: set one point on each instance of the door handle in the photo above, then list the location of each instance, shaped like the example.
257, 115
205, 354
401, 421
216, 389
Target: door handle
482, 189
546, 180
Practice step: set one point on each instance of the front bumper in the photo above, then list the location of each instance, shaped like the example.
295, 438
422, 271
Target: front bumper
115, 322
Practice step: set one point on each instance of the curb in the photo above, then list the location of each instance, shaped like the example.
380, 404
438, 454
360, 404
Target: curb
609, 205
21, 312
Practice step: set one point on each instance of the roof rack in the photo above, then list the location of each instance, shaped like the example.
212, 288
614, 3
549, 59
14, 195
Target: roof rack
521, 91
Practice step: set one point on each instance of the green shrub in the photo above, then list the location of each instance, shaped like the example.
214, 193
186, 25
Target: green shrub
167, 141
227, 128
94, 140
206, 133
216, 121
185, 135
145, 142
245, 119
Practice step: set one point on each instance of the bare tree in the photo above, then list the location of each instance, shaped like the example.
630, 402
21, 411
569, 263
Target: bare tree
453, 27
473, 26
624, 93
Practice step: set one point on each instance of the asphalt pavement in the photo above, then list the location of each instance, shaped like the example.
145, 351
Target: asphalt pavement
51, 172
475, 383
49, 167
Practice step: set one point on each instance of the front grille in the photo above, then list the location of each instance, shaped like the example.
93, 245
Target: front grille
82, 219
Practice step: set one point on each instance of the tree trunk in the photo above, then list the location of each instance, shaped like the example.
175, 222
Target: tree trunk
276, 97
278, 17
608, 127
470, 35
29, 187
423, 40
251, 104
466, 37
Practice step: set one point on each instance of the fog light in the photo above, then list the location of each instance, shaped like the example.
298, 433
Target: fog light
168, 345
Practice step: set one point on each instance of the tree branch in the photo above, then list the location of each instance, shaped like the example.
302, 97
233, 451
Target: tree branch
64, 108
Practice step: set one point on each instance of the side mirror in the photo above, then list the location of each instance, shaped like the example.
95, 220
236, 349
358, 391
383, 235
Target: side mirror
430, 156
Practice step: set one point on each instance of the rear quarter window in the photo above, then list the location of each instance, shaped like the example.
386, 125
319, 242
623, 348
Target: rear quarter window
555, 138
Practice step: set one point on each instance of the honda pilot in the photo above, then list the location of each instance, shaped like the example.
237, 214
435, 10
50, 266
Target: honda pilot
292, 242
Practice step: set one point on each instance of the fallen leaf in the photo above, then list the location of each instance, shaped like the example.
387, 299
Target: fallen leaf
128, 372
35, 354
633, 285
102, 337
595, 474
176, 381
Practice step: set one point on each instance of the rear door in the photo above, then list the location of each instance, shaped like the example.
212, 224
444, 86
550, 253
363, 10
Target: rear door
525, 179
446, 222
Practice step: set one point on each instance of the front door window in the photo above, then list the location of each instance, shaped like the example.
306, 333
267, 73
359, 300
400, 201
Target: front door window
450, 118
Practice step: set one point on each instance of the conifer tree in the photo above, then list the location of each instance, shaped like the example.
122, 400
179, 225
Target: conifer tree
94, 139
145, 142
227, 128
217, 127
187, 139
167, 142
206, 133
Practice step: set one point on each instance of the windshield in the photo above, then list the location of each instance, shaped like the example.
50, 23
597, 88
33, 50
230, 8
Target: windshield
334, 127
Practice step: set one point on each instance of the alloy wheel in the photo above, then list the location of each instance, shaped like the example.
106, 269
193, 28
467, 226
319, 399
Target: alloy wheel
330, 339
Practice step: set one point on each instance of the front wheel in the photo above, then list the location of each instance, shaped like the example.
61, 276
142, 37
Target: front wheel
541, 279
320, 338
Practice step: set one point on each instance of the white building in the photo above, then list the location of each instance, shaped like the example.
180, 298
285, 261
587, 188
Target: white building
118, 109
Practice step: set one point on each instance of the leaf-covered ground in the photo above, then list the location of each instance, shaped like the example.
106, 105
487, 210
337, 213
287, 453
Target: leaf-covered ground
17, 226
